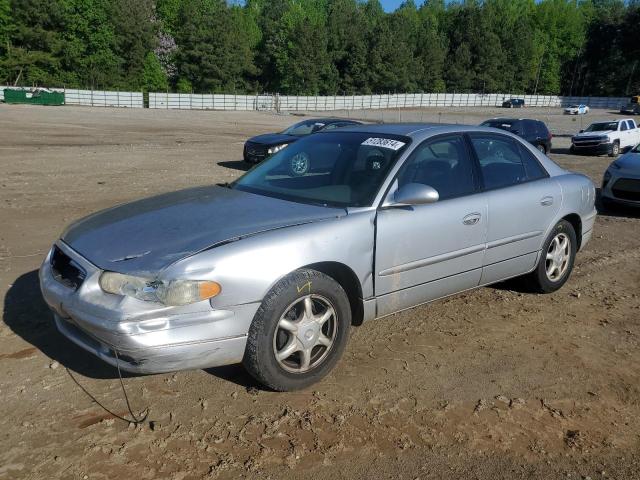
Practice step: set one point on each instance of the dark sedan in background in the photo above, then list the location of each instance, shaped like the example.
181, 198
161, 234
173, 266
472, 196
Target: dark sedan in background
533, 131
513, 103
257, 148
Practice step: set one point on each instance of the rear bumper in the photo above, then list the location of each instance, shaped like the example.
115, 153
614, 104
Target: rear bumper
148, 337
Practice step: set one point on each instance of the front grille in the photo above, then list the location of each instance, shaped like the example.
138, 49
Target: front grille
587, 142
65, 270
627, 189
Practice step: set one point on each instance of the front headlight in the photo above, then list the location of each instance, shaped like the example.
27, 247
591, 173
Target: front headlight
172, 293
276, 148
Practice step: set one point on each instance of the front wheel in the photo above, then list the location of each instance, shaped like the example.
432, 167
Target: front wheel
299, 332
542, 148
615, 149
556, 259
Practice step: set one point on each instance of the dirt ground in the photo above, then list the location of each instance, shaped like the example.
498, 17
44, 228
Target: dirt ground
496, 383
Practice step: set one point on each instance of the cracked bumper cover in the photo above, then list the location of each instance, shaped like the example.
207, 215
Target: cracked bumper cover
148, 337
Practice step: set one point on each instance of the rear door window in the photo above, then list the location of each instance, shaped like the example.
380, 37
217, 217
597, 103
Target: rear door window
504, 162
529, 130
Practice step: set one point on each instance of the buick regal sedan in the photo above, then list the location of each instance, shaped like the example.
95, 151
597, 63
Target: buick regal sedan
340, 227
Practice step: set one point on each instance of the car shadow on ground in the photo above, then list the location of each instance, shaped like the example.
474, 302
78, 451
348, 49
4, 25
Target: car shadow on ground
236, 165
236, 374
560, 151
28, 316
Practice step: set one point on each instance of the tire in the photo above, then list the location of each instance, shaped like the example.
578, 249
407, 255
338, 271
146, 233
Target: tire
572, 150
542, 148
540, 280
615, 149
283, 311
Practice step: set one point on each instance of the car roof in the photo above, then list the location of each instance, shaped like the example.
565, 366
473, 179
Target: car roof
509, 119
416, 131
331, 120
406, 129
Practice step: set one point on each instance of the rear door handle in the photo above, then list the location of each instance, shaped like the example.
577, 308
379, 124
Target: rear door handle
471, 219
546, 201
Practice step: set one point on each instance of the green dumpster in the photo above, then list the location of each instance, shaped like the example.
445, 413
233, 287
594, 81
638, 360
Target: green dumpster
33, 97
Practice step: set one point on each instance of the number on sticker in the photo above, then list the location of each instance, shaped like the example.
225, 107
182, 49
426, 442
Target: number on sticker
384, 143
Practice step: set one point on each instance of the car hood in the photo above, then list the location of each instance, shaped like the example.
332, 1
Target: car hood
273, 139
148, 235
629, 161
593, 134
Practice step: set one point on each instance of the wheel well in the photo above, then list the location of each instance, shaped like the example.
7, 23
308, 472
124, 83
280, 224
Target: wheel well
576, 223
349, 282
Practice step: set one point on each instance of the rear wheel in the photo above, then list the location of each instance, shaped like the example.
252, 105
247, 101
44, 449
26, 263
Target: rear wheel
556, 260
299, 332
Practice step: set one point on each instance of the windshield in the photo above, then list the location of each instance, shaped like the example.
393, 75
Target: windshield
338, 169
602, 127
304, 128
636, 149
574, 106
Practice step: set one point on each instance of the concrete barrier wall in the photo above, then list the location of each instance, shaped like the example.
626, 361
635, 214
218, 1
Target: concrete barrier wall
96, 98
189, 101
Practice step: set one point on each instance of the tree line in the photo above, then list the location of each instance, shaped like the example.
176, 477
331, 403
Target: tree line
316, 47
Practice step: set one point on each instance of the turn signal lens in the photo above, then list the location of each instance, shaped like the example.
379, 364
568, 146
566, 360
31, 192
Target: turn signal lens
183, 292
209, 289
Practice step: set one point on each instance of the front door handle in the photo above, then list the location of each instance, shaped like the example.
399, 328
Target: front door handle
546, 201
471, 219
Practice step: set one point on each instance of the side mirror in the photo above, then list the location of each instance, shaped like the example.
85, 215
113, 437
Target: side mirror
581, 131
415, 194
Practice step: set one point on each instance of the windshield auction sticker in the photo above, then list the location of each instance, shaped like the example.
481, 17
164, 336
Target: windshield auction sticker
384, 143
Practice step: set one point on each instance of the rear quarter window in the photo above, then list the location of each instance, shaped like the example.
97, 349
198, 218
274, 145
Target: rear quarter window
542, 129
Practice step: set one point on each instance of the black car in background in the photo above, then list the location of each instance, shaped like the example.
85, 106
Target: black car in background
513, 103
260, 147
533, 131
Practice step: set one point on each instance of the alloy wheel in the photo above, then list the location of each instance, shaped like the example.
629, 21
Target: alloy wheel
305, 334
558, 256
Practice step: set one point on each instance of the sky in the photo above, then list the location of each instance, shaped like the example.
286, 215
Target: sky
391, 5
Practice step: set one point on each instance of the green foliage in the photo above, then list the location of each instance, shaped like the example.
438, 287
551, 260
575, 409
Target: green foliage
579, 47
154, 77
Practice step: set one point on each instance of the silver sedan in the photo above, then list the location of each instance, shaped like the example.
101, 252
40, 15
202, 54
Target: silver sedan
621, 181
341, 227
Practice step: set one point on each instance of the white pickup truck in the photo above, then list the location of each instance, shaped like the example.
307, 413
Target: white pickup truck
606, 137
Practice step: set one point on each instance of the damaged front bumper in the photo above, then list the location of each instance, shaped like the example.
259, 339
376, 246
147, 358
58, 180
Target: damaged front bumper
148, 337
